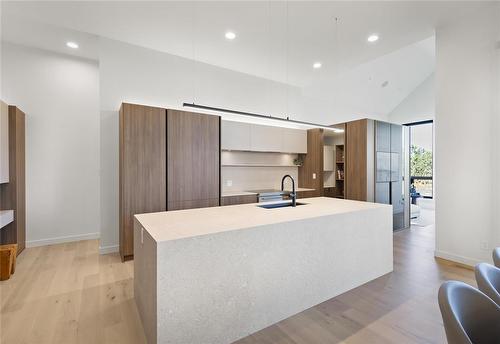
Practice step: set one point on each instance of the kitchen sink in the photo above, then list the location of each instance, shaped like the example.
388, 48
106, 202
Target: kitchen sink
279, 205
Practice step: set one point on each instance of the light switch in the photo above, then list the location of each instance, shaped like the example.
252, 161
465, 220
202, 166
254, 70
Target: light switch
229, 182
314, 175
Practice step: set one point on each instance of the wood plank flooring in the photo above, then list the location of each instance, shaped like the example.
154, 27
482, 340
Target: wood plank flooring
68, 293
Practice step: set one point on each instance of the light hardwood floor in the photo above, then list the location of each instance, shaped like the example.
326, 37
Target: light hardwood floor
68, 293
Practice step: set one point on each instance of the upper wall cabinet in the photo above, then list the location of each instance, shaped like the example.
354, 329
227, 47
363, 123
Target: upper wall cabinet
294, 140
235, 135
4, 143
265, 138
262, 138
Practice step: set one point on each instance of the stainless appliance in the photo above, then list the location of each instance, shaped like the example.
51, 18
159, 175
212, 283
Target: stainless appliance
268, 195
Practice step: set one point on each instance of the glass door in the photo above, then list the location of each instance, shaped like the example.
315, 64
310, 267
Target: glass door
421, 168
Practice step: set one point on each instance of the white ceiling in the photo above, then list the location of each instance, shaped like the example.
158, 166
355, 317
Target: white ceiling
275, 40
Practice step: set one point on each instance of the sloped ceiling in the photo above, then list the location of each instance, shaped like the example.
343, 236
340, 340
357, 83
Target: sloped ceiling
275, 40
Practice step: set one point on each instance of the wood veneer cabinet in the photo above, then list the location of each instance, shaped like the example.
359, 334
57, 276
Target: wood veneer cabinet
240, 199
313, 164
143, 164
359, 164
169, 160
193, 160
13, 193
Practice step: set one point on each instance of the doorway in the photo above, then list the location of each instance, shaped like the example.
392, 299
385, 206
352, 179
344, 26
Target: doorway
421, 160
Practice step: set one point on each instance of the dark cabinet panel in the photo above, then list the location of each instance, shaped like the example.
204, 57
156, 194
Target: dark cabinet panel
313, 163
356, 160
191, 204
240, 199
193, 160
13, 193
142, 168
382, 136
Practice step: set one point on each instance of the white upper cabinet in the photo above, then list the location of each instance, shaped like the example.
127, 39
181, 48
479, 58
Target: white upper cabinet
294, 141
262, 138
235, 136
265, 138
4, 143
328, 158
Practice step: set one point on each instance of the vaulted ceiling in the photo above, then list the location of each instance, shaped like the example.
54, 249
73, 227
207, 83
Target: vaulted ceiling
275, 40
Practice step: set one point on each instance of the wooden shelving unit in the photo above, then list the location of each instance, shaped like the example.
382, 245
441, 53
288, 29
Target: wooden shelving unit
339, 170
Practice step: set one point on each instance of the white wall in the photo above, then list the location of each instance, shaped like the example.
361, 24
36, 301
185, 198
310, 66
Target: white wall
60, 96
467, 106
138, 75
420, 105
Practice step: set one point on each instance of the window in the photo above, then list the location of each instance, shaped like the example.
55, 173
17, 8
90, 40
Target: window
421, 158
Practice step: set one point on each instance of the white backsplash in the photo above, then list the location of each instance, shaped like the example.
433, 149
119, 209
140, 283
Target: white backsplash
243, 171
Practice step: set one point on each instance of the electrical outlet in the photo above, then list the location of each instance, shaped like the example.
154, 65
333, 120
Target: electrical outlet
485, 246
229, 182
314, 175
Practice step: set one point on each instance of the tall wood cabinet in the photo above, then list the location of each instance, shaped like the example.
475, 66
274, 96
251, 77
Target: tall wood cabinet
143, 166
13, 193
169, 160
193, 160
359, 164
311, 171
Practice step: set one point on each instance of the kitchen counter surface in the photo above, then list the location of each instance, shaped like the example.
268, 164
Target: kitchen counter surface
218, 274
174, 225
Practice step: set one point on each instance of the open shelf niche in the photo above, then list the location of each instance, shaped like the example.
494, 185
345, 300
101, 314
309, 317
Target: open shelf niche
334, 158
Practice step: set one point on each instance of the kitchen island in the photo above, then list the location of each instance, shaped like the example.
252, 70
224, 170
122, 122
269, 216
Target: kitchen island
214, 275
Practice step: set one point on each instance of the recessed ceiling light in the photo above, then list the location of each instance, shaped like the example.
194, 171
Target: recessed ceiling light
72, 45
372, 38
230, 35
317, 65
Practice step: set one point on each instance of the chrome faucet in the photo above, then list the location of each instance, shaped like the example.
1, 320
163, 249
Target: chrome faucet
292, 194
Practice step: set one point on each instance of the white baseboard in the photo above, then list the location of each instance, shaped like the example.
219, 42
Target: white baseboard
60, 240
108, 249
456, 258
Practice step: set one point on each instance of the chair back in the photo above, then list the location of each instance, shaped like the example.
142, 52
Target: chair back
496, 257
469, 316
488, 281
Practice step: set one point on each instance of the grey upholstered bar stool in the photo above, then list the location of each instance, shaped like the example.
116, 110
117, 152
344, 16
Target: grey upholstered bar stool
496, 257
488, 281
469, 316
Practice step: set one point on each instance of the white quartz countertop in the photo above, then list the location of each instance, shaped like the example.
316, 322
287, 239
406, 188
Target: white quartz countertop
6, 217
179, 224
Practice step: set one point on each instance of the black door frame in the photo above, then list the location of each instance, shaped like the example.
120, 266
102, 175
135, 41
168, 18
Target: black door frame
412, 124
